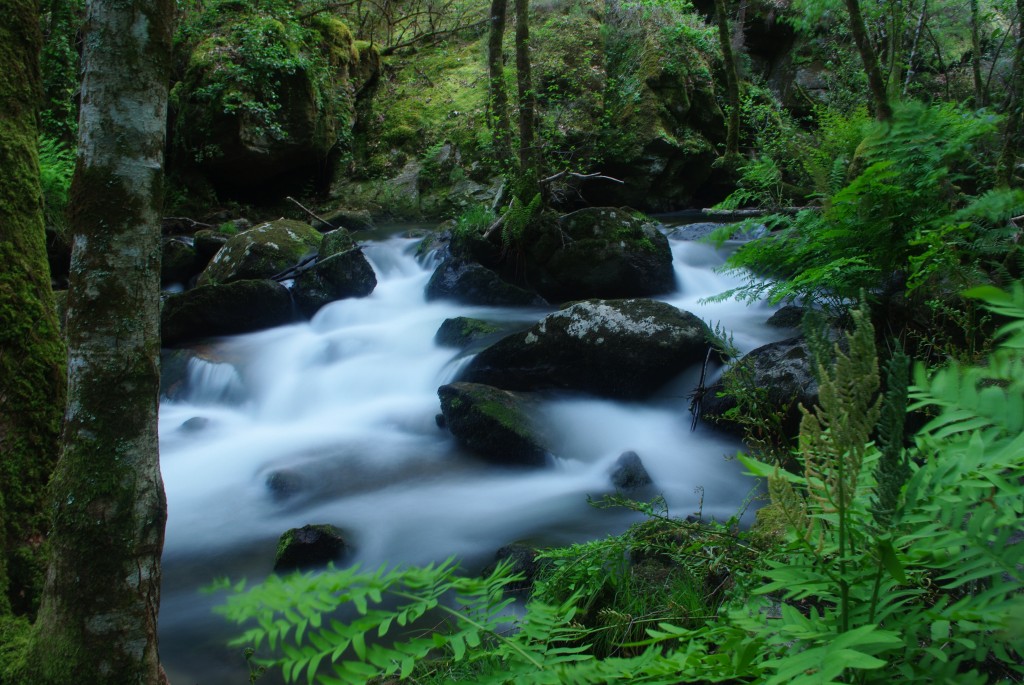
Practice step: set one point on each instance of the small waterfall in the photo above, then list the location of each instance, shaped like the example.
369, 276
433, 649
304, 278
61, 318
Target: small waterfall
333, 421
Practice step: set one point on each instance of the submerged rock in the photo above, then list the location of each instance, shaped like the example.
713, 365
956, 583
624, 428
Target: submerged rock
612, 348
629, 473
309, 546
495, 424
228, 309
598, 252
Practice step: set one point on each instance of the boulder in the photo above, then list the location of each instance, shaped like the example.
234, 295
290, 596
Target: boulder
522, 560
462, 331
309, 546
782, 371
597, 252
612, 348
178, 262
336, 242
262, 252
208, 243
471, 283
347, 219
227, 309
343, 275
628, 473
495, 424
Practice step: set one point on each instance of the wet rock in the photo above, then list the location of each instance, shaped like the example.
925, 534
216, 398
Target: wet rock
228, 309
339, 276
284, 484
195, 424
208, 243
612, 348
780, 371
790, 316
348, 219
629, 473
523, 562
463, 331
262, 252
309, 546
495, 424
471, 283
597, 252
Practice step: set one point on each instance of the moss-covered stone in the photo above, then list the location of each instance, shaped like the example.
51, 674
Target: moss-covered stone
262, 252
342, 275
309, 546
225, 309
462, 331
497, 425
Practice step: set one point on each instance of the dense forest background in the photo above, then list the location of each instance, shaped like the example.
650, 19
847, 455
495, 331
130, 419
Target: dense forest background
877, 142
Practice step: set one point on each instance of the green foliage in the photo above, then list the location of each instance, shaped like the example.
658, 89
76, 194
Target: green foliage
517, 217
473, 222
56, 167
900, 223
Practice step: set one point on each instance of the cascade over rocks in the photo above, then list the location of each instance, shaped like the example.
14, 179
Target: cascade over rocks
495, 424
783, 370
597, 252
224, 309
341, 271
262, 252
612, 348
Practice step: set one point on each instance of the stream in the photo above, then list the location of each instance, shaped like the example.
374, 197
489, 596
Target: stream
338, 413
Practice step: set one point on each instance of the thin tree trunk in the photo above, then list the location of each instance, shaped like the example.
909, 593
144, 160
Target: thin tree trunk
528, 162
980, 97
498, 101
1014, 108
31, 350
913, 47
732, 84
98, 618
883, 111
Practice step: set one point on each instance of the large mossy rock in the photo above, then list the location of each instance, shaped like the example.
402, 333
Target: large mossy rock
598, 252
497, 425
779, 376
262, 252
612, 348
263, 97
471, 283
224, 309
309, 546
343, 275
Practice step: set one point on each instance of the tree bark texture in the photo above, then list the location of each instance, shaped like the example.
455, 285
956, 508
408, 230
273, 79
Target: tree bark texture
732, 81
883, 111
98, 618
528, 157
31, 350
980, 96
498, 98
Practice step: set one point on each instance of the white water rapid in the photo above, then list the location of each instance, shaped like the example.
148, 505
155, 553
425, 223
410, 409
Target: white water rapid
340, 412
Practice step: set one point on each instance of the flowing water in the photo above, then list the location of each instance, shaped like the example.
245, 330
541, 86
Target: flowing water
333, 421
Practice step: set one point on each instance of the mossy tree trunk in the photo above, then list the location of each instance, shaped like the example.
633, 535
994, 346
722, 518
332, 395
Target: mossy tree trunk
876, 84
1014, 108
732, 81
529, 158
498, 99
32, 354
98, 617
980, 96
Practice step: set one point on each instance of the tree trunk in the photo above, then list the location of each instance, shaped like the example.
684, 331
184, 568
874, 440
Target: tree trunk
98, 618
498, 101
528, 157
980, 98
732, 81
31, 350
883, 111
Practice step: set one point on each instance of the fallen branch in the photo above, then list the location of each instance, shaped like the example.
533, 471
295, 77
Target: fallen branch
697, 396
307, 210
305, 264
582, 177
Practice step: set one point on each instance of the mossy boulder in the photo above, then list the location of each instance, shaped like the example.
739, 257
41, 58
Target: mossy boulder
224, 309
309, 546
629, 474
262, 252
179, 262
598, 252
496, 425
207, 243
265, 98
463, 331
612, 348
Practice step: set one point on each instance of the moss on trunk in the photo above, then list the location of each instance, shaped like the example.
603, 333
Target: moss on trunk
31, 350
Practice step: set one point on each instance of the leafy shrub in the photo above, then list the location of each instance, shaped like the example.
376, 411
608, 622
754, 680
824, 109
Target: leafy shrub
56, 167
